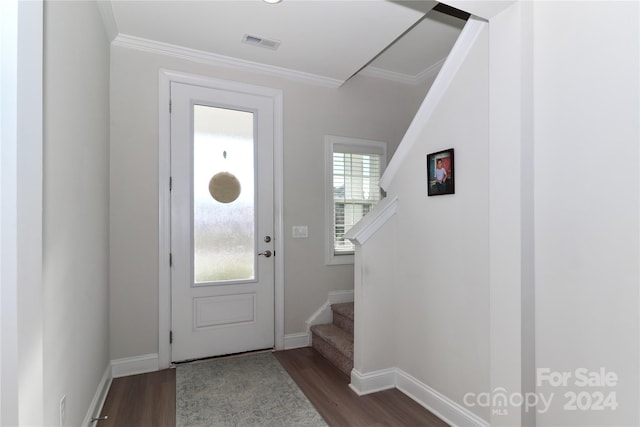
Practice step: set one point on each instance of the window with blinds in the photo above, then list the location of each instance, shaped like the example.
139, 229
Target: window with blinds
355, 168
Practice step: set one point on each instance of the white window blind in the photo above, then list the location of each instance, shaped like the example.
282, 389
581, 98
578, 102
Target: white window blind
356, 171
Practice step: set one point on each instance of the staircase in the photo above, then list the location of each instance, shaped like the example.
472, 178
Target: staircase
335, 340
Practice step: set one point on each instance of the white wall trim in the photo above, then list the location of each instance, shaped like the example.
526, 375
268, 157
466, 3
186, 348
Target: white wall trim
324, 315
164, 201
321, 316
372, 382
99, 397
278, 217
433, 70
297, 340
164, 220
367, 226
9, 365
397, 77
452, 64
216, 60
134, 365
445, 408
393, 76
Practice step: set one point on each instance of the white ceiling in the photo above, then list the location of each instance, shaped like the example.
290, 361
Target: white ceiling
423, 47
327, 40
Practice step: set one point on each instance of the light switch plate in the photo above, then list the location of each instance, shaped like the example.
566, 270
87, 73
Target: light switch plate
300, 232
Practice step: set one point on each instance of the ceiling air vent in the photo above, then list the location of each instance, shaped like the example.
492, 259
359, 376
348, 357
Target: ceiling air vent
261, 42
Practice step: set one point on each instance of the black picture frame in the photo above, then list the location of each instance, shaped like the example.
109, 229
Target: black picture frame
435, 187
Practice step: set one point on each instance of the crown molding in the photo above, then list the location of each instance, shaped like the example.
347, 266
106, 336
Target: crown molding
432, 71
175, 51
394, 76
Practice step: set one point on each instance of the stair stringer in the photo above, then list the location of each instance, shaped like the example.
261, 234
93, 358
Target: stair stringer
324, 314
321, 316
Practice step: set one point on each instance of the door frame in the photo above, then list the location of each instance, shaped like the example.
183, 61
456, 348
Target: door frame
164, 199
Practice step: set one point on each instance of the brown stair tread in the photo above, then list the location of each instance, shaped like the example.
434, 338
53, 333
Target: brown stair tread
345, 309
337, 337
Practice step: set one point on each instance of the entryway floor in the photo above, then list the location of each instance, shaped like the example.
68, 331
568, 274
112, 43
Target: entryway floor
149, 399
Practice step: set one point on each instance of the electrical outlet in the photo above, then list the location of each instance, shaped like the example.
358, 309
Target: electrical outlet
63, 410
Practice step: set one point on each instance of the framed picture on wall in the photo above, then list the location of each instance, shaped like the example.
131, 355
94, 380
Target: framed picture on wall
440, 174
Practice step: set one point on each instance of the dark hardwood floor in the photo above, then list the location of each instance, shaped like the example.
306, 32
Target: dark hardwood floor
328, 389
149, 399
143, 400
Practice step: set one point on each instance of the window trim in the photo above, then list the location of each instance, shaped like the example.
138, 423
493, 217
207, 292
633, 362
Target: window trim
330, 141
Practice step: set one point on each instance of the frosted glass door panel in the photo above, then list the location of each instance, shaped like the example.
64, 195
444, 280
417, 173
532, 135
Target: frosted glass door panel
224, 206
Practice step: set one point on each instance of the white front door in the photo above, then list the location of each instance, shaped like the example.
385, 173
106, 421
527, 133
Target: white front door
222, 252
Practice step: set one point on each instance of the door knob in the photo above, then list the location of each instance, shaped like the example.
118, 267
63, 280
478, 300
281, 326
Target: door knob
267, 253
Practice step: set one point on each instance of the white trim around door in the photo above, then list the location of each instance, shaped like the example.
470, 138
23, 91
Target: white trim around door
164, 205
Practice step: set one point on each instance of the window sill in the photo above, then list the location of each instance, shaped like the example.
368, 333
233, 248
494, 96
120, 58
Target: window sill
333, 259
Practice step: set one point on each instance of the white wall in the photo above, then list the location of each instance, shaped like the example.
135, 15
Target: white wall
442, 284
510, 193
375, 287
536, 227
423, 305
363, 108
587, 133
76, 207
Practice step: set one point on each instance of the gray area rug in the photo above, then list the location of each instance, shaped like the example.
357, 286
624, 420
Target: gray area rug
252, 390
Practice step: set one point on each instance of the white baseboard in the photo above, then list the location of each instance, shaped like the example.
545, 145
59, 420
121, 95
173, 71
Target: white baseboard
373, 381
445, 408
134, 365
298, 340
324, 315
98, 398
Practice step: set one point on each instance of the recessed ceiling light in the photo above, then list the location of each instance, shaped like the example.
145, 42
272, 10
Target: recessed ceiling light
272, 1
